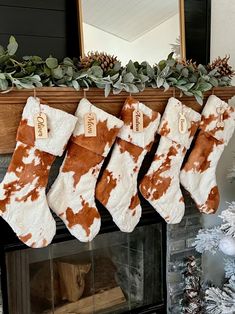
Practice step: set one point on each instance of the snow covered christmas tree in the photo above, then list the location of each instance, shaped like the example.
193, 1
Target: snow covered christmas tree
221, 238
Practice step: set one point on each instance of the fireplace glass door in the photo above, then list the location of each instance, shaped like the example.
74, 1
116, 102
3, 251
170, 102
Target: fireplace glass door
115, 273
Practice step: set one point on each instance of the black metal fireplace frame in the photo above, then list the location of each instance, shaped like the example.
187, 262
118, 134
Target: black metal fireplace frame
149, 217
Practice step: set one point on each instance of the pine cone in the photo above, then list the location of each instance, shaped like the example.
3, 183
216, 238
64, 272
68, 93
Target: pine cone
187, 63
104, 60
224, 69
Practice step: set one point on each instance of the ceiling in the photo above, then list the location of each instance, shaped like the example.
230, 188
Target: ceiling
128, 19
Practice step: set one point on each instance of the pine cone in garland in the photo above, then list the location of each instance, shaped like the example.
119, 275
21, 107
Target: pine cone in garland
187, 63
224, 69
104, 60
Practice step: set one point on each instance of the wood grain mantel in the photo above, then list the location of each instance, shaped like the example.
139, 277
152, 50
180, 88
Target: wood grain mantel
12, 104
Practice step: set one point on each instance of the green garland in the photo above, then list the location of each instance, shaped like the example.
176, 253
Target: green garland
33, 71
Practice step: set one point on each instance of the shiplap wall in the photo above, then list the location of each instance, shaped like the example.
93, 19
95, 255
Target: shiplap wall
41, 27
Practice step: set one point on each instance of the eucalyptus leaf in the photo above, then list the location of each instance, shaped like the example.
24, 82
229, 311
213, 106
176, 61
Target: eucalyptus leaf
57, 72
69, 71
116, 91
107, 89
160, 81
170, 56
117, 66
179, 67
171, 62
188, 93
128, 78
225, 78
199, 99
68, 61
143, 78
172, 79
198, 93
189, 85
162, 65
96, 71
213, 72
114, 77
12, 46
185, 72
204, 86
214, 81
221, 84
2, 50
3, 59
75, 85
3, 84
52, 63
131, 68
149, 70
193, 78
182, 87
165, 71
132, 88
202, 69
181, 82
166, 86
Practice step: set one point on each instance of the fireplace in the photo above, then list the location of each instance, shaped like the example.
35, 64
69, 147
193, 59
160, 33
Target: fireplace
142, 270
115, 273
138, 272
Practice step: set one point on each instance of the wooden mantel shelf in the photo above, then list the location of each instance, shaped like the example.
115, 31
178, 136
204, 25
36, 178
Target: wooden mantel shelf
12, 104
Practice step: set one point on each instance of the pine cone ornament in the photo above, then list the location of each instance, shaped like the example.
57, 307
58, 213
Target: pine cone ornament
224, 69
104, 60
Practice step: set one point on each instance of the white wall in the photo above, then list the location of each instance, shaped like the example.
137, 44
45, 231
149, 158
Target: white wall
222, 43
152, 47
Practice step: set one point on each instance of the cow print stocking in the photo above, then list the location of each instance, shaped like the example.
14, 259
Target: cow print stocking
23, 202
198, 175
72, 195
160, 186
117, 189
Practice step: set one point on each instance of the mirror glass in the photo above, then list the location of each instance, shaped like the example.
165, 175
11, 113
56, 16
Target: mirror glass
135, 29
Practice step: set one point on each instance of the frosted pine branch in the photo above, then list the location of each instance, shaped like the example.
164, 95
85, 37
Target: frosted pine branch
229, 267
208, 240
221, 301
228, 217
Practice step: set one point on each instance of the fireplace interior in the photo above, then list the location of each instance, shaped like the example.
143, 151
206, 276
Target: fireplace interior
115, 273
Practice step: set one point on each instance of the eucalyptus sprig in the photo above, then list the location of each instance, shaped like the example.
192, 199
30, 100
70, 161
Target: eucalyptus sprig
34, 71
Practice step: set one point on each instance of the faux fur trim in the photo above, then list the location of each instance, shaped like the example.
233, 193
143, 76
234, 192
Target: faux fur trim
210, 118
169, 125
60, 125
107, 128
151, 121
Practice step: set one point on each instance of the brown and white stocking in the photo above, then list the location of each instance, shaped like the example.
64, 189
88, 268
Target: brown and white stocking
160, 186
198, 175
23, 201
117, 189
72, 196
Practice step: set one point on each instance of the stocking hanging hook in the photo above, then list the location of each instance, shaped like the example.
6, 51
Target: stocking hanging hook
34, 93
84, 93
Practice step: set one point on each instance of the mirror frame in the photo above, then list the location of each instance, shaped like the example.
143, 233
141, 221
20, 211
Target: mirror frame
188, 9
